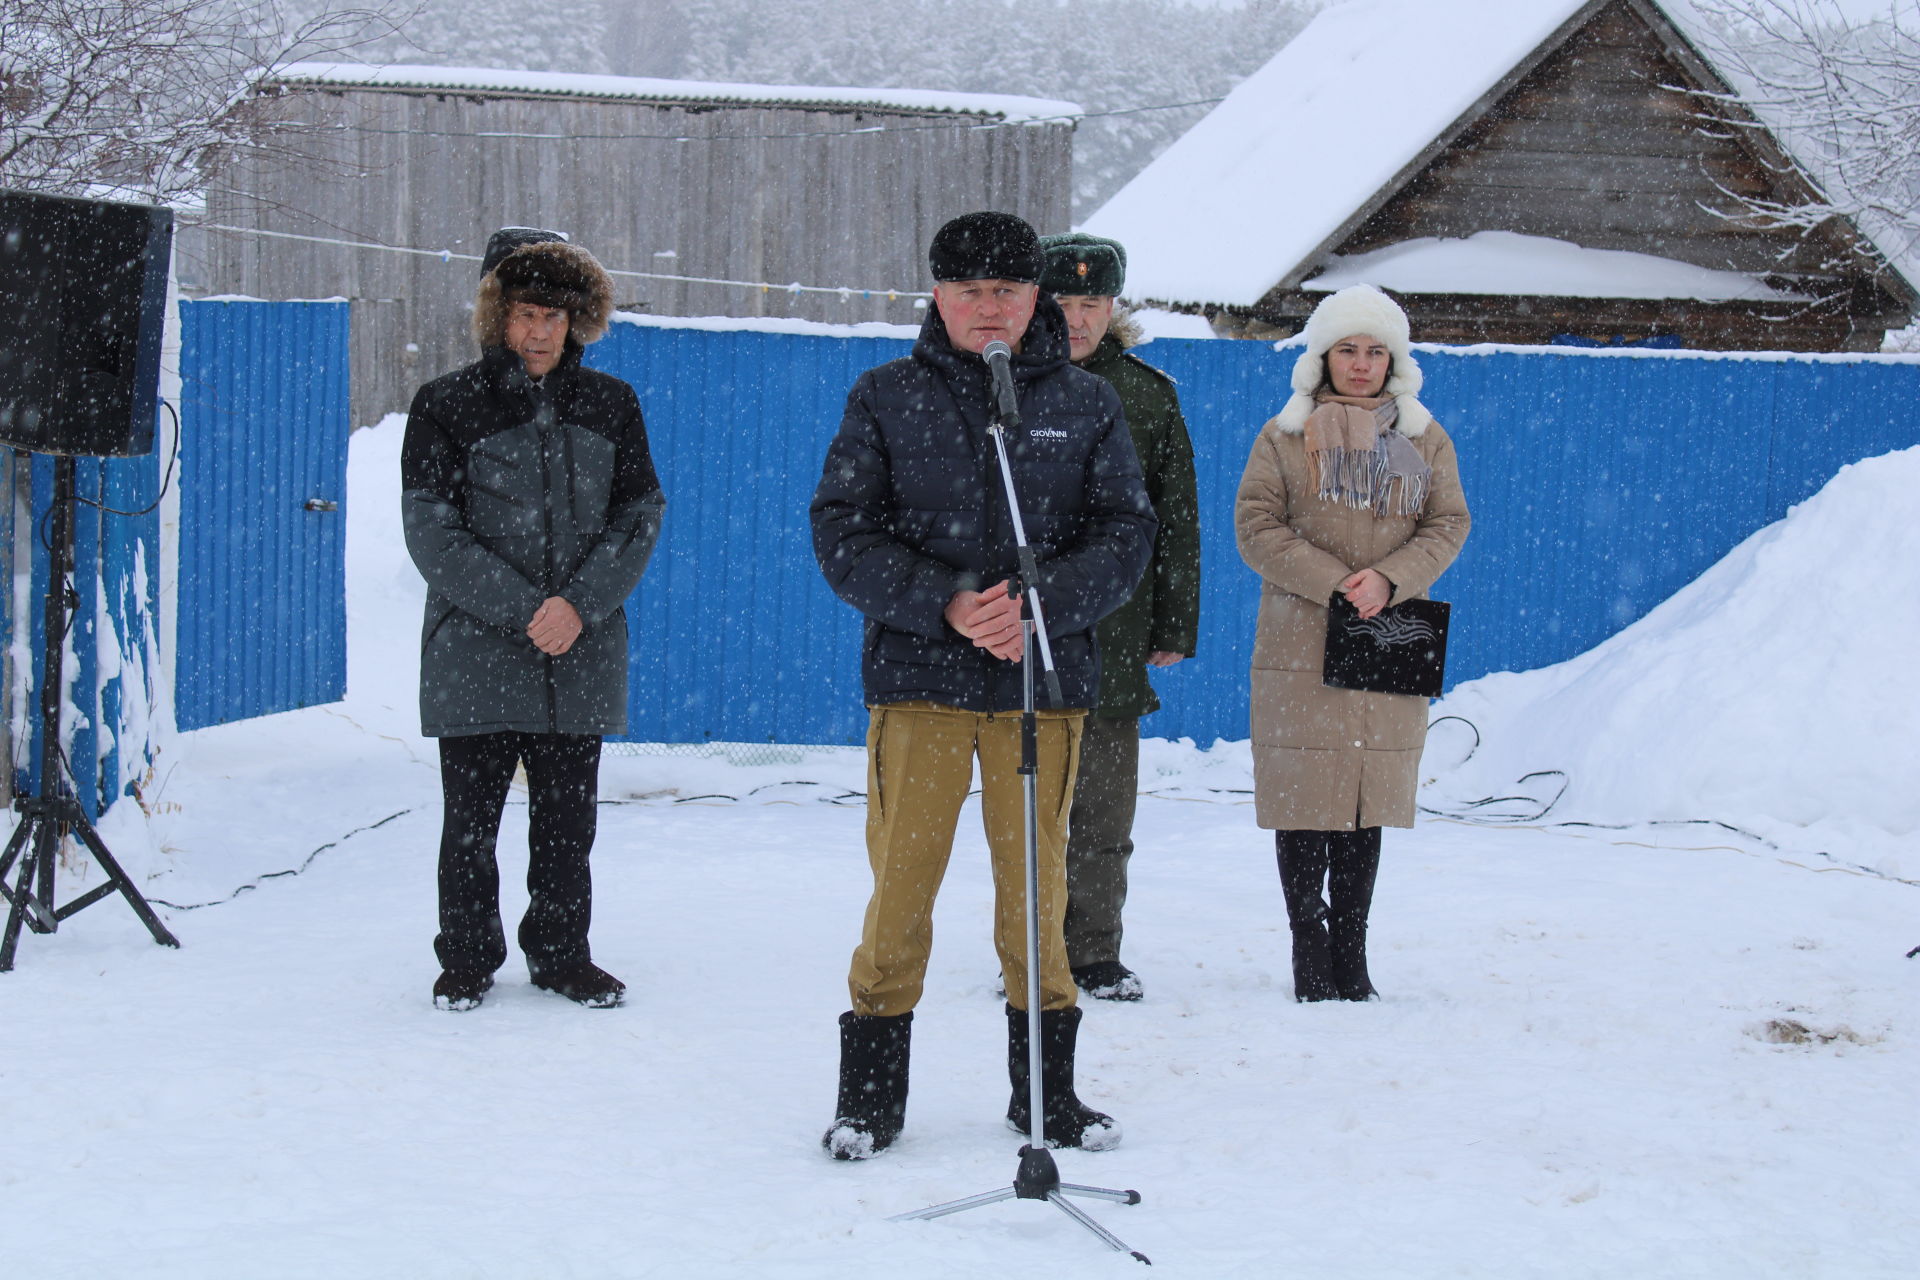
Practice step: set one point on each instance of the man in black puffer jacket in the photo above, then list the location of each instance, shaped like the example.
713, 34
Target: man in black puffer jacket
530, 507
910, 526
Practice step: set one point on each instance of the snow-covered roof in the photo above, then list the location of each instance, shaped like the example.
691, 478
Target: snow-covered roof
1260, 183
1504, 263
1007, 107
1253, 194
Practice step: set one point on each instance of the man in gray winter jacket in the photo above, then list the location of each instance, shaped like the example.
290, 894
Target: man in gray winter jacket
531, 507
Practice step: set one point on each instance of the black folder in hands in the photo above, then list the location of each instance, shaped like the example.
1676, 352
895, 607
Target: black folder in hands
1401, 649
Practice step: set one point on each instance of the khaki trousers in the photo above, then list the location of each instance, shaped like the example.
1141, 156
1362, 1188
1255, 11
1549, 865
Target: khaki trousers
919, 768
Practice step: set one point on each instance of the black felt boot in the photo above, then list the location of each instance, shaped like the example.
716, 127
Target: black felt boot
1303, 868
584, 983
1355, 859
874, 1052
1069, 1121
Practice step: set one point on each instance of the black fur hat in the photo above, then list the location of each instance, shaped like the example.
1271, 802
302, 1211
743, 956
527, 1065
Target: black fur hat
547, 273
507, 239
986, 246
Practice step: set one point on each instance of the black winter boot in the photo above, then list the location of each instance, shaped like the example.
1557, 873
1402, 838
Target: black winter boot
1108, 980
460, 990
874, 1052
1303, 867
1355, 858
584, 983
1069, 1121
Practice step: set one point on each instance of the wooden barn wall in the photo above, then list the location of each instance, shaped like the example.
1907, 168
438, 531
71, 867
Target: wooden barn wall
754, 194
1601, 483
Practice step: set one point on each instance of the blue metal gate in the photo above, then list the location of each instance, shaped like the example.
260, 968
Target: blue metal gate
262, 601
1601, 483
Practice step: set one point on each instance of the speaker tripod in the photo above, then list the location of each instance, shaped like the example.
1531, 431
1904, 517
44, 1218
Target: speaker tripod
48, 818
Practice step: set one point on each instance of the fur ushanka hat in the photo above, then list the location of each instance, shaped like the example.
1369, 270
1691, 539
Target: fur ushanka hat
1082, 265
1357, 309
986, 246
547, 273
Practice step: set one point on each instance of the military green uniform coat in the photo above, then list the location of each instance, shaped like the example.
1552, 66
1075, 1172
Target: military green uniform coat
1164, 612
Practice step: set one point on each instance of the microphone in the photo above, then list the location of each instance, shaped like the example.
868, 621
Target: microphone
1006, 404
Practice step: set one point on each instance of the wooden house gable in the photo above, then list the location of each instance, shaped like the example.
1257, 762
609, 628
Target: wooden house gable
1617, 135
1614, 142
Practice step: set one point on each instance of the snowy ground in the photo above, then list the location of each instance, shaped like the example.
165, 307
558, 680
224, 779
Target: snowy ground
1597, 1056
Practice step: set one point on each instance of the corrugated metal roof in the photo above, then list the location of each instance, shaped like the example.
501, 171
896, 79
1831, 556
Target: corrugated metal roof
1007, 107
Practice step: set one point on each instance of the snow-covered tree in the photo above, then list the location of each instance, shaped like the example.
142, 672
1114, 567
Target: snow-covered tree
140, 98
1844, 96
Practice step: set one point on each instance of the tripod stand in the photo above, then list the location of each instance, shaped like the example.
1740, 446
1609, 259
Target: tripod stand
1038, 1177
46, 819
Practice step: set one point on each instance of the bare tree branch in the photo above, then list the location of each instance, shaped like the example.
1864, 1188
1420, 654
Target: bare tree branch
1843, 96
143, 98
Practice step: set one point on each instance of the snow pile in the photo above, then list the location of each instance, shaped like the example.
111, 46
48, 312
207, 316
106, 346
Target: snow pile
1506, 262
1779, 692
1155, 323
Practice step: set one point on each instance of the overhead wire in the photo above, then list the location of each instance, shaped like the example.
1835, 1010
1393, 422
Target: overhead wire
764, 286
450, 255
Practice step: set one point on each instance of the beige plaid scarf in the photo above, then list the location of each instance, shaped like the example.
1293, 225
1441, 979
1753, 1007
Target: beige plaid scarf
1360, 460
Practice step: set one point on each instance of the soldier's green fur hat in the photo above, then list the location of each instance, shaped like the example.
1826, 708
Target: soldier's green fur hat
1080, 264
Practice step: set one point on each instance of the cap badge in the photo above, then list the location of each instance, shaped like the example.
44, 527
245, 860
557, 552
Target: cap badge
1080, 268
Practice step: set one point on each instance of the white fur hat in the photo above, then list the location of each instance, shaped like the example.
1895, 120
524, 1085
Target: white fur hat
1357, 309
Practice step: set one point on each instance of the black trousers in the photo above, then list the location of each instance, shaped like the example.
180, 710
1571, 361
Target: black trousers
1329, 939
1342, 862
563, 787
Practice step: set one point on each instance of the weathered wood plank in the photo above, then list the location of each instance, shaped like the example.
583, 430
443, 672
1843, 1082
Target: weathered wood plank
1469, 318
1588, 135
400, 169
1699, 177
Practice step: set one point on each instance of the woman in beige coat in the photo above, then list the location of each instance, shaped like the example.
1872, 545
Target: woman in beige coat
1352, 489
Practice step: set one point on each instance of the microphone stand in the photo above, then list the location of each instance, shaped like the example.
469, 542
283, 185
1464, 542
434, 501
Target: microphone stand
1037, 1177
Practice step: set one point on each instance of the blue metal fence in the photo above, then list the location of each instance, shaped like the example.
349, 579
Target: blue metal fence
262, 598
736, 638
113, 666
1601, 483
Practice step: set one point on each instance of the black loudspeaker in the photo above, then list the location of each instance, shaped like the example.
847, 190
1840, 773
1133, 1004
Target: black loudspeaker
83, 294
